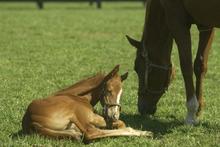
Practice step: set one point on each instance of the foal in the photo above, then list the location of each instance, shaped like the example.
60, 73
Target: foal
69, 112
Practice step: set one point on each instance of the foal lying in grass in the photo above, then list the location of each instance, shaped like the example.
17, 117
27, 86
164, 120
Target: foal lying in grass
69, 112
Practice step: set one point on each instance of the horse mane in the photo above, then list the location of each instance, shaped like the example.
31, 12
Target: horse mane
83, 86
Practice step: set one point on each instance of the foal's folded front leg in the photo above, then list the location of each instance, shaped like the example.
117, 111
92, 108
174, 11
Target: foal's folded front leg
119, 124
100, 122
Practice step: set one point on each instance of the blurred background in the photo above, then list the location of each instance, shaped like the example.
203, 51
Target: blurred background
40, 3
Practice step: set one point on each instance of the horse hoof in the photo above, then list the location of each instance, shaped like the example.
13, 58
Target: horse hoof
191, 122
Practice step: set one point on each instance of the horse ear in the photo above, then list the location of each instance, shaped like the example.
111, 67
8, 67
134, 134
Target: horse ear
133, 42
112, 73
124, 76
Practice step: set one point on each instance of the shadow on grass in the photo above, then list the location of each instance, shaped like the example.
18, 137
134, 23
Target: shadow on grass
17, 135
158, 126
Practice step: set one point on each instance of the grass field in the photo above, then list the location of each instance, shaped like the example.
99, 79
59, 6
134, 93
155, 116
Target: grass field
43, 51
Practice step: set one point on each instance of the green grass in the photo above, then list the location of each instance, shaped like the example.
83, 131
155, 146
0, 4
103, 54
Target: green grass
43, 51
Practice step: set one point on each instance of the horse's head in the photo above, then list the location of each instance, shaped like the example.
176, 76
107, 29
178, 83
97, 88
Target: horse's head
112, 90
153, 79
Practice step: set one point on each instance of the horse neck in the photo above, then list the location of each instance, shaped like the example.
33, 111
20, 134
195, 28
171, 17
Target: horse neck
89, 89
156, 37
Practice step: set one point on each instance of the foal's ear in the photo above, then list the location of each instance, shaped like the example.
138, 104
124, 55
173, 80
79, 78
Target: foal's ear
133, 42
124, 76
112, 73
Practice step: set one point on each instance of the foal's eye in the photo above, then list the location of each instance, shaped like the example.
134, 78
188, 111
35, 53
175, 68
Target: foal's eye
109, 90
108, 93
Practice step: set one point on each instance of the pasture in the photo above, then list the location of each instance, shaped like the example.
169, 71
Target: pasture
43, 51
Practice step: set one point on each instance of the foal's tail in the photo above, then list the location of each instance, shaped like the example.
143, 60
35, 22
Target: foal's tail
26, 123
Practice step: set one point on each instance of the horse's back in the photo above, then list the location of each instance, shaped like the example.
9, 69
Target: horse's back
205, 12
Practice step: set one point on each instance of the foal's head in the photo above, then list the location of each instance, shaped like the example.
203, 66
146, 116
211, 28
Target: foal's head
112, 90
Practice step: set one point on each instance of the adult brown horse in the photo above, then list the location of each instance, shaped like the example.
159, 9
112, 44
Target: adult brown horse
69, 112
166, 20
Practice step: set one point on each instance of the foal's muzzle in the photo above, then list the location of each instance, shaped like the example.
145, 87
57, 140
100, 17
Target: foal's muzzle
111, 112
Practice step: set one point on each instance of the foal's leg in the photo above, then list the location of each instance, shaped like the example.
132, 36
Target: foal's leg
179, 26
92, 132
95, 133
100, 122
200, 65
68, 133
118, 124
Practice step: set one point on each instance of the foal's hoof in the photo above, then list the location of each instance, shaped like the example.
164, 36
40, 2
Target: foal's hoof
146, 134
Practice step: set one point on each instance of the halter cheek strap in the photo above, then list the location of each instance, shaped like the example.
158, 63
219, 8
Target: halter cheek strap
167, 68
149, 66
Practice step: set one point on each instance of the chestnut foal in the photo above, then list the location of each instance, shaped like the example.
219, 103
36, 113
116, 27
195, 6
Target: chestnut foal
69, 112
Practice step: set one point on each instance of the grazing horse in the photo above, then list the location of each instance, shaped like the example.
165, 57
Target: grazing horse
166, 20
69, 113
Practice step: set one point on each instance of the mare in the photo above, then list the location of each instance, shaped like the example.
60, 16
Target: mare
165, 21
69, 113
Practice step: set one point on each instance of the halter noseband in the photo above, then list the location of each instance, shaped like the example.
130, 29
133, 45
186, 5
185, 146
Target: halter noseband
149, 66
107, 105
160, 67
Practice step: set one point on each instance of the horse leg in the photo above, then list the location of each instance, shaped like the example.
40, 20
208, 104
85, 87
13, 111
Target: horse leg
200, 65
95, 133
179, 26
71, 132
118, 124
100, 122
92, 132
185, 55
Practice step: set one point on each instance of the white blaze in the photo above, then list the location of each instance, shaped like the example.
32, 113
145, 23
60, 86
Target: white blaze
119, 97
118, 100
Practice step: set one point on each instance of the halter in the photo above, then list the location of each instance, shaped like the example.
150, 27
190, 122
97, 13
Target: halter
107, 106
161, 67
149, 66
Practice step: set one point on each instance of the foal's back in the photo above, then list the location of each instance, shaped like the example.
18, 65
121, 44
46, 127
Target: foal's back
83, 87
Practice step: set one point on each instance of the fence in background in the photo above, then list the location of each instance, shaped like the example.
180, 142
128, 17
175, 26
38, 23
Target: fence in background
40, 3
